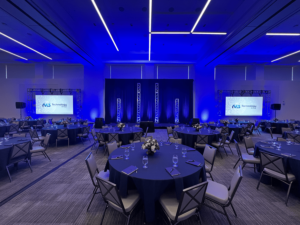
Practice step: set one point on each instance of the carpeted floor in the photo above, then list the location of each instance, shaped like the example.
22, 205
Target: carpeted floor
63, 192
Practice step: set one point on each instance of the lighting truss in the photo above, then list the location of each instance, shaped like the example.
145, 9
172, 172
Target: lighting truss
118, 110
156, 103
20, 43
177, 110
138, 110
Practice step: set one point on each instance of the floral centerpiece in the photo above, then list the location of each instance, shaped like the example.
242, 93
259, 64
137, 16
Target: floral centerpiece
151, 145
64, 122
28, 117
121, 126
225, 122
197, 126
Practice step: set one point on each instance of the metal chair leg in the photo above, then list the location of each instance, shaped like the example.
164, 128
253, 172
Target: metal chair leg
226, 215
104, 213
128, 219
233, 210
211, 176
244, 164
94, 193
259, 180
236, 163
47, 156
288, 193
29, 165
8, 174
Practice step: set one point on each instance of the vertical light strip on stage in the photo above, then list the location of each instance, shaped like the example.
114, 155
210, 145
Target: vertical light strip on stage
118, 110
138, 113
177, 110
156, 102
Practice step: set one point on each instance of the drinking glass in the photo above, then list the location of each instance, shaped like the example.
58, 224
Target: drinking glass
278, 146
184, 152
132, 146
175, 160
145, 161
176, 145
126, 153
288, 142
1, 141
6, 137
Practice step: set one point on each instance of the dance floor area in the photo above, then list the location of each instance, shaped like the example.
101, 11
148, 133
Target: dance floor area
58, 192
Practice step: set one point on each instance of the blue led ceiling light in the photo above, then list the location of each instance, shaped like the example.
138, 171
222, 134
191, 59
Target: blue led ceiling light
24, 45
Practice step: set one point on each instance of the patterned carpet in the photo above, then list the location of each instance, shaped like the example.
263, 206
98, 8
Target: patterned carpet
63, 192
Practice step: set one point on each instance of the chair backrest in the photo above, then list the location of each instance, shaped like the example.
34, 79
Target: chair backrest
92, 167
191, 198
202, 139
94, 134
113, 137
284, 129
225, 130
231, 135
280, 139
291, 126
46, 141
175, 134
272, 162
13, 128
20, 150
137, 136
100, 137
146, 132
219, 129
169, 130
248, 142
178, 140
111, 147
62, 133
33, 133
235, 182
86, 130
243, 130
224, 137
209, 154
238, 149
25, 123
40, 122
110, 194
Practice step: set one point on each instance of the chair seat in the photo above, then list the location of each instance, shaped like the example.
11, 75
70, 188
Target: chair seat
37, 149
250, 159
227, 142
19, 135
41, 138
217, 192
129, 202
200, 145
170, 204
207, 167
216, 144
104, 175
250, 151
131, 141
83, 135
280, 176
66, 137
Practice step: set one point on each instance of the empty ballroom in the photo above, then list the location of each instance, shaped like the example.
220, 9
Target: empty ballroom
149, 112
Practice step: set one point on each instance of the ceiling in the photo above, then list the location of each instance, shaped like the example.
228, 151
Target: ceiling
70, 31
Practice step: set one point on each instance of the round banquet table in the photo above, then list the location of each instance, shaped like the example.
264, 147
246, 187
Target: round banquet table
189, 135
124, 136
6, 147
277, 125
232, 127
73, 130
292, 164
3, 130
30, 122
153, 181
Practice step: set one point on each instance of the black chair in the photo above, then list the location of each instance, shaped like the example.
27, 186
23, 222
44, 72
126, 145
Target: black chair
62, 134
136, 137
39, 124
19, 153
169, 131
201, 142
85, 134
114, 137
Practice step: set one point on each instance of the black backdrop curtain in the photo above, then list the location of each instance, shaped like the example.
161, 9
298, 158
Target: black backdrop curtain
169, 90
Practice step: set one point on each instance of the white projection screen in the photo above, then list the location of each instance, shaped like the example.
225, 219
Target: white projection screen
54, 104
244, 106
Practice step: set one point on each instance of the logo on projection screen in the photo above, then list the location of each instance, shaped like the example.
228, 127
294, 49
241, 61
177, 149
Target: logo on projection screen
46, 105
236, 106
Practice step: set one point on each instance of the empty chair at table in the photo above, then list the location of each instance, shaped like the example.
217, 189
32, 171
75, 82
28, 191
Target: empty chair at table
42, 148
62, 134
19, 153
85, 133
228, 141
220, 144
114, 137
112, 198
285, 129
14, 130
249, 145
111, 147
225, 130
209, 155
39, 124
35, 137
270, 128
293, 137
221, 195
95, 139
273, 166
191, 200
24, 125
101, 141
143, 139
243, 133
175, 138
94, 171
136, 137
169, 132
201, 142
257, 128
245, 158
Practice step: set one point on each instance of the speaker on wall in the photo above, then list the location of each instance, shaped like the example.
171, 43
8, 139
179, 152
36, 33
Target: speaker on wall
276, 106
20, 105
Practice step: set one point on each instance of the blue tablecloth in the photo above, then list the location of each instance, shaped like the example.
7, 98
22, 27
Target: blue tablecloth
190, 137
6, 147
30, 122
73, 130
277, 125
154, 180
292, 164
124, 136
3, 130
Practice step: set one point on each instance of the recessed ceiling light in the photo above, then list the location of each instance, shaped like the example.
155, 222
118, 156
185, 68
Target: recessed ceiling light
201, 14
24, 45
170, 32
96, 7
211, 33
283, 34
293, 53
12, 54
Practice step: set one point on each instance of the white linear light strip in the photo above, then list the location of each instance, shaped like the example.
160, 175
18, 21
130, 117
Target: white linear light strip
283, 34
150, 27
24, 45
293, 53
210, 33
97, 9
201, 14
12, 53
171, 32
